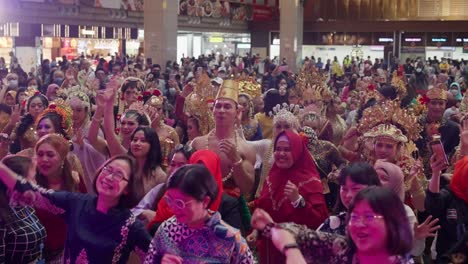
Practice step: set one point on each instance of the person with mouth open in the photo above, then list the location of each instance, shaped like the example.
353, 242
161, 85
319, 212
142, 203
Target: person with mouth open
378, 232
196, 234
100, 229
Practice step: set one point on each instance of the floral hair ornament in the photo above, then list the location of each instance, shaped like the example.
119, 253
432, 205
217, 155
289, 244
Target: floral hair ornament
156, 100
140, 108
78, 96
61, 108
286, 113
399, 84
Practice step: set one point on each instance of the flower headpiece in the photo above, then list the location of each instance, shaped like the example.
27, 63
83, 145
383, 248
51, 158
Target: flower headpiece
390, 112
77, 95
140, 84
286, 113
62, 109
156, 100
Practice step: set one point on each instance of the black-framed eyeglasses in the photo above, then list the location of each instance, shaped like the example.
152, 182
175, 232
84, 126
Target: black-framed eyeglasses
116, 175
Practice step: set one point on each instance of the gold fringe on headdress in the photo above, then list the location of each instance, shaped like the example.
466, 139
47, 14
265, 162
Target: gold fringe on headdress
229, 90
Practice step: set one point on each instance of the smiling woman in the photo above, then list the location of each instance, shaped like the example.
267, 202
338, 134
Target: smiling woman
100, 229
194, 234
378, 232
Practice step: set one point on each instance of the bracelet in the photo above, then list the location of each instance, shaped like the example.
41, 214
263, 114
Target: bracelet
298, 202
237, 163
289, 246
266, 232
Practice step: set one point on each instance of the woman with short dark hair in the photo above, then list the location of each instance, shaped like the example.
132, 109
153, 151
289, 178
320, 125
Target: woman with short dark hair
194, 234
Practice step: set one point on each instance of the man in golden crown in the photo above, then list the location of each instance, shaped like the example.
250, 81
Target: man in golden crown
236, 155
434, 123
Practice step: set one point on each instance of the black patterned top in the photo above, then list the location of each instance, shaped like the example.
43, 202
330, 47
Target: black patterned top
321, 247
21, 236
92, 236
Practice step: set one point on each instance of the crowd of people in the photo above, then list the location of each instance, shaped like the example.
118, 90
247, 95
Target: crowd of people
234, 160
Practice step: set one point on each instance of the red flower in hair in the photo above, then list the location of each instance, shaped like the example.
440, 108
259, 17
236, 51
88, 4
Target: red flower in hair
122, 98
37, 93
140, 98
52, 106
156, 92
118, 117
146, 93
371, 87
424, 99
23, 103
210, 101
117, 131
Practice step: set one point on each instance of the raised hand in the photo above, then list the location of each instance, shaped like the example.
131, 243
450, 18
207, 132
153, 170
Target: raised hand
426, 229
291, 191
15, 114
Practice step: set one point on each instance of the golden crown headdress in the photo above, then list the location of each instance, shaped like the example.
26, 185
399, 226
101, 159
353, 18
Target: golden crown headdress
386, 131
437, 93
313, 84
249, 86
390, 112
61, 108
197, 103
287, 113
399, 85
229, 90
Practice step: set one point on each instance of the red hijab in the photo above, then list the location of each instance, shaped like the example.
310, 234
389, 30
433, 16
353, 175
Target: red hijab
459, 182
303, 174
213, 164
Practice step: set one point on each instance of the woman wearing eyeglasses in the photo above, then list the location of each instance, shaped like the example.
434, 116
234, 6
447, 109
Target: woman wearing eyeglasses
194, 234
378, 232
100, 229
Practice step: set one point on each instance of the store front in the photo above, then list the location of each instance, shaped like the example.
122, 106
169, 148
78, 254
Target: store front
194, 44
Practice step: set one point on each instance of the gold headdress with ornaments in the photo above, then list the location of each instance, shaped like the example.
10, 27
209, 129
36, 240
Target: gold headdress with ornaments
249, 86
156, 100
61, 108
197, 104
313, 85
387, 131
400, 85
436, 93
390, 112
287, 113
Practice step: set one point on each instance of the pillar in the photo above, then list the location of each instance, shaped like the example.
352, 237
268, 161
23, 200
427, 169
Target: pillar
160, 24
291, 32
